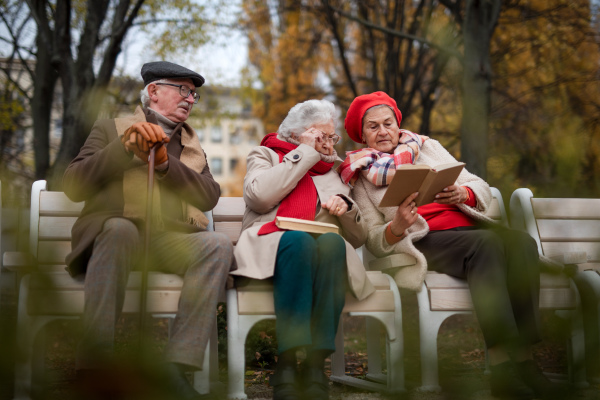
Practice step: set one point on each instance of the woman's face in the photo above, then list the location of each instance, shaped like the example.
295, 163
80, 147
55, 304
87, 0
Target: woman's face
325, 146
380, 129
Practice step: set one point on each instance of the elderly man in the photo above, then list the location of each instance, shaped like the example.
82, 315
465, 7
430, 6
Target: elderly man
110, 175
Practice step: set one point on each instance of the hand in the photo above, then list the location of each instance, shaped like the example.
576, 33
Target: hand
336, 205
141, 136
405, 216
452, 195
312, 137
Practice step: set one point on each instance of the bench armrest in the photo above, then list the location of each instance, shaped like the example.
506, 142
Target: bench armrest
18, 261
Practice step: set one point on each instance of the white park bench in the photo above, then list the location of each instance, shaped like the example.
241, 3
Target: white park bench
443, 296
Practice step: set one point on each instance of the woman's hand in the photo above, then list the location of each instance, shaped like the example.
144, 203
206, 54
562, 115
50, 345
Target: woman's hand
452, 195
336, 205
406, 215
312, 137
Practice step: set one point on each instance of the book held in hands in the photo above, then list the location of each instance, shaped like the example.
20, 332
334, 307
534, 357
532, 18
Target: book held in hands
296, 224
424, 179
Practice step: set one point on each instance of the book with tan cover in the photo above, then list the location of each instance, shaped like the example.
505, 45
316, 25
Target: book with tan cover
424, 179
296, 224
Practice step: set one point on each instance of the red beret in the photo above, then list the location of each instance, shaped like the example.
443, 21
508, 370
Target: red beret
353, 122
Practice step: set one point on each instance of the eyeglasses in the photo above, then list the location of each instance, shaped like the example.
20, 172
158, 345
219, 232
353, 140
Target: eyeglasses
184, 91
333, 139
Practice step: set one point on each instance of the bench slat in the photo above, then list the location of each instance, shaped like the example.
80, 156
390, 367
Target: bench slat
53, 252
56, 228
229, 209
57, 203
553, 230
592, 249
231, 229
566, 208
54, 302
460, 299
261, 303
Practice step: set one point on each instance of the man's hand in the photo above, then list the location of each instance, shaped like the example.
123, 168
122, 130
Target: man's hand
141, 136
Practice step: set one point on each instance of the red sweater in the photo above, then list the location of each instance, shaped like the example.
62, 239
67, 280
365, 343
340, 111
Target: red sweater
447, 216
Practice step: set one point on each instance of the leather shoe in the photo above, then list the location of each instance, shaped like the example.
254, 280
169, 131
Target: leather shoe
179, 385
506, 384
315, 383
284, 382
543, 387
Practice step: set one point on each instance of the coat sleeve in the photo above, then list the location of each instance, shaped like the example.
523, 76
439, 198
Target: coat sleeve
198, 189
354, 227
101, 158
267, 182
375, 220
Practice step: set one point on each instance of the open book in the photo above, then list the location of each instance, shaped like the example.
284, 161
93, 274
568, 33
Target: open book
296, 224
424, 179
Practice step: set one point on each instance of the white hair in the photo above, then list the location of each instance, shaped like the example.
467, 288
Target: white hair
145, 96
304, 115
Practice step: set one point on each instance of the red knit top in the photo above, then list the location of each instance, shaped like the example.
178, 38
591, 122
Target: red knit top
447, 216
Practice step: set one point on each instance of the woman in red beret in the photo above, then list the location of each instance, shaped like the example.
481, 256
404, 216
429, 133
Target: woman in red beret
452, 235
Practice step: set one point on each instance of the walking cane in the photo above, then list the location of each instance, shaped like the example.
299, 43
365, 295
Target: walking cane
144, 278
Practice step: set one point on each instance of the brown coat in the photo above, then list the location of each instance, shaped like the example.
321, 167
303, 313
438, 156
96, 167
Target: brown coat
96, 177
266, 183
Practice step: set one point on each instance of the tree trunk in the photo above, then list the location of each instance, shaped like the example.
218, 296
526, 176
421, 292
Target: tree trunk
480, 21
41, 107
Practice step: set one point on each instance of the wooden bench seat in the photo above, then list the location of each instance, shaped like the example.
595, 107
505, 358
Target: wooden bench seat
443, 296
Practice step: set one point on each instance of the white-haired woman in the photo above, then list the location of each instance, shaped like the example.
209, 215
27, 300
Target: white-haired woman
292, 174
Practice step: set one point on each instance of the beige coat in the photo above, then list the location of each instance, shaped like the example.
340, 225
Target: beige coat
266, 184
368, 197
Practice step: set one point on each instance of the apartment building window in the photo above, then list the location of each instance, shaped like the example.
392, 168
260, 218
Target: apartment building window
233, 163
216, 166
235, 136
216, 135
200, 133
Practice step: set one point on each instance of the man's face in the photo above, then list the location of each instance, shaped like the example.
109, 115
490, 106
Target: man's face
167, 101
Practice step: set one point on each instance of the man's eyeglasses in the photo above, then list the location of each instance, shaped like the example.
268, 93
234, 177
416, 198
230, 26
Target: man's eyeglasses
184, 91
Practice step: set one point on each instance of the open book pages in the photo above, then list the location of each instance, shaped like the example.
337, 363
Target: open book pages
296, 224
426, 180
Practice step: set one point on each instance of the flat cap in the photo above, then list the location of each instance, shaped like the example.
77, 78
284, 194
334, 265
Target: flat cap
154, 71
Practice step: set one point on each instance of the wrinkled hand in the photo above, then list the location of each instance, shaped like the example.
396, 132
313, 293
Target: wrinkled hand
452, 195
141, 136
336, 205
406, 215
312, 137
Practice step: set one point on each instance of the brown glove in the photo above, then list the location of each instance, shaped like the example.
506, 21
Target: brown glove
161, 154
141, 136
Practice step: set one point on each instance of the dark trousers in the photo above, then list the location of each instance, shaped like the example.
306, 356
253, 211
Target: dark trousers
310, 284
501, 266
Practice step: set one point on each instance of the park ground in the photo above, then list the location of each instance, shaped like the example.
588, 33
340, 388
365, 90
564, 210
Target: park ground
460, 347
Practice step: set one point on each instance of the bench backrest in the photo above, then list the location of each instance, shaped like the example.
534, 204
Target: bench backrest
560, 226
53, 215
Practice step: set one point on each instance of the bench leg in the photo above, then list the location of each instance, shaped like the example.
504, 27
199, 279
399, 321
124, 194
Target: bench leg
429, 326
338, 363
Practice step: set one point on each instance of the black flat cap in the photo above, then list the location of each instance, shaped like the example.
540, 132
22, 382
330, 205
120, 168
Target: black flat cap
154, 71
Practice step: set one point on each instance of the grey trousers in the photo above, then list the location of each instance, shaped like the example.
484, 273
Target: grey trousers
203, 259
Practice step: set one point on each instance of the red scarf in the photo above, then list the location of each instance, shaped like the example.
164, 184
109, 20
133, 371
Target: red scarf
302, 201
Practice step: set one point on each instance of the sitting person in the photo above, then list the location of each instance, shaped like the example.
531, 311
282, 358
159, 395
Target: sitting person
291, 174
110, 174
452, 235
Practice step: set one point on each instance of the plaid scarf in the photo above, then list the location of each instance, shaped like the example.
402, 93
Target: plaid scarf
302, 201
379, 167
